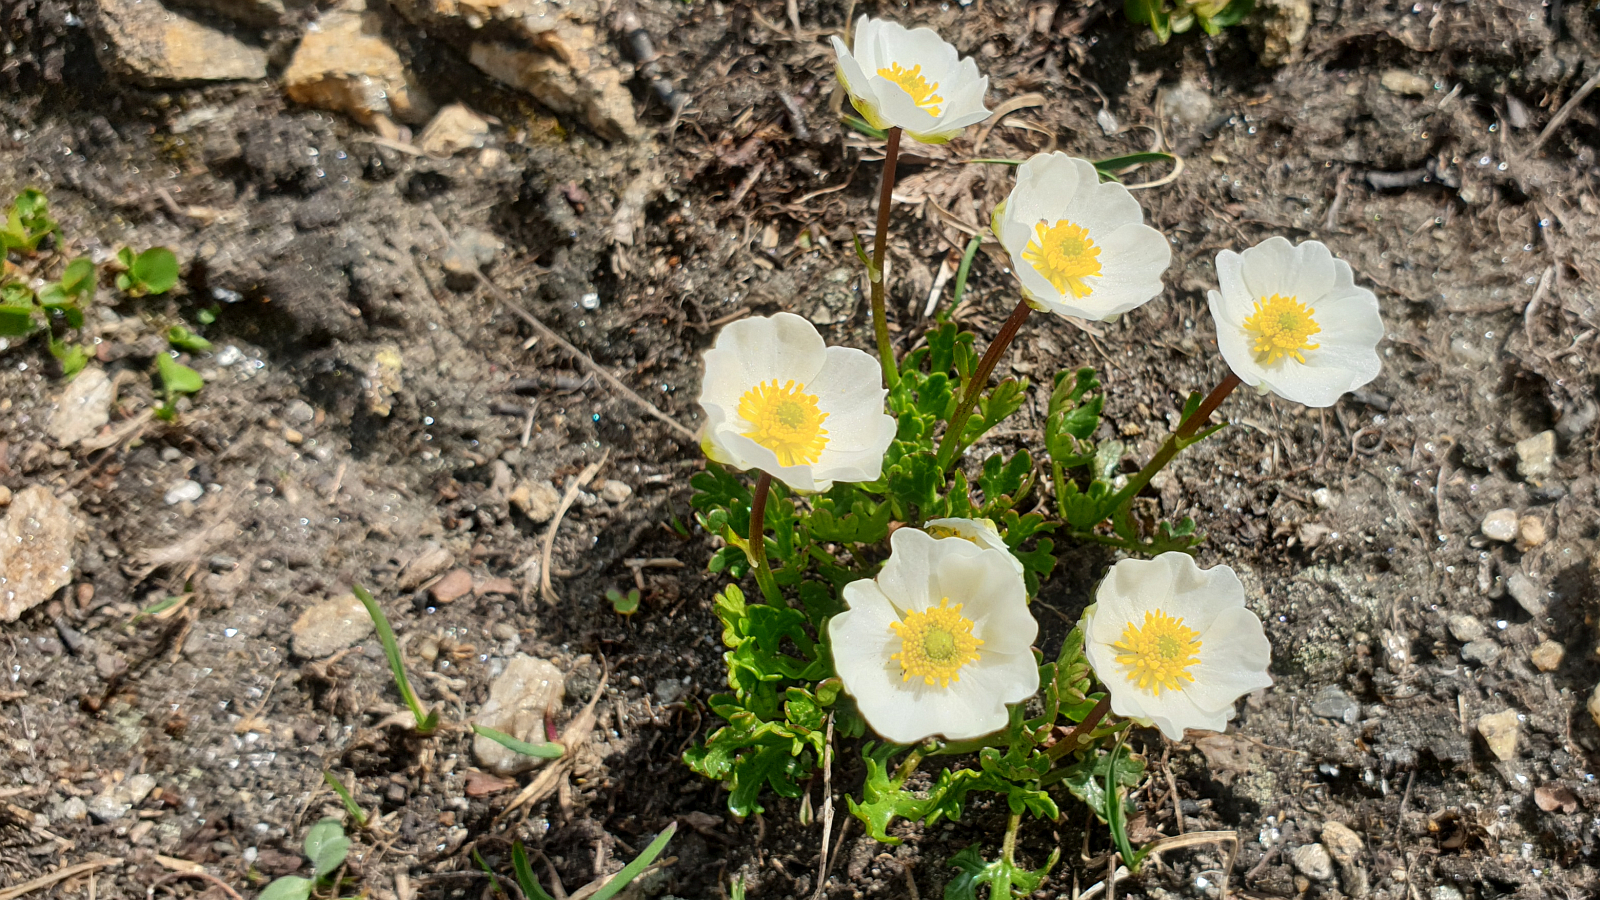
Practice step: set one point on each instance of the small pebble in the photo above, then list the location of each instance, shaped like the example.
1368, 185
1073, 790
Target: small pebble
1466, 629
503, 631
1313, 861
1547, 656
1322, 497
184, 492
1528, 595
1499, 731
5, 496
1400, 81
1536, 456
1482, 652
1342, 843
1500, 525
293, 437
1530, 532
1445, 892
615, 492
451, 587
1333, 703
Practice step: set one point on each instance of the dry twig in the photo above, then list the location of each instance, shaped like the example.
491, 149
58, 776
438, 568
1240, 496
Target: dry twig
59, 875
589, 471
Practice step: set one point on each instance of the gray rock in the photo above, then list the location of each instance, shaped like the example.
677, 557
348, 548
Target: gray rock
470, 250
1500, 525
1466, 628
615, 492
1528, 594
36, 543
1333, 703
1188, 104
144, 42
519, 700
1313, 862
84, 406
537, 500
185, 491
1445, 892
1483, 652
116, 801
1536, 456
669, 690
330, 626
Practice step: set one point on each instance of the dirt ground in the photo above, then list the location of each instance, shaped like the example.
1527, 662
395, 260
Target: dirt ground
369, 403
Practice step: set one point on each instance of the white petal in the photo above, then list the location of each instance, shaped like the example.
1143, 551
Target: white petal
781, 347
897, 107
1269, 268
991, 593
1132, 259
748, 454
1175, 711
1232, 341
904, 578
1199, 595
1234, 657
855, 79
868, 43
1101, 207
923, 47
1046, 186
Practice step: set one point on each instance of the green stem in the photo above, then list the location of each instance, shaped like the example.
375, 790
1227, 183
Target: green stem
1008, 847
951, 443
1069, 741
758, 540
880, 249
909, 766
1174, 443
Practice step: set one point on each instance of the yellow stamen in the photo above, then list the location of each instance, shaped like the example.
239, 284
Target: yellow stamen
935, 644
919, 88
1065, 256
1159, 653
1282, 326
786, 421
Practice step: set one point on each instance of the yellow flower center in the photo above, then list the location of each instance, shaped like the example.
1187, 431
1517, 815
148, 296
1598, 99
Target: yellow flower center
1159, 653
919, 88
786, 421
935, 644
945, 531
1281, 326
1065, 256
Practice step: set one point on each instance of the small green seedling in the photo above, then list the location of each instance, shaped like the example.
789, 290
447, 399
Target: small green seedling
548, 750
27, 223
155, 271
182, 338
176, 379
326, 846
625, 604
427, 722
1211, 15
350, 806
613, 886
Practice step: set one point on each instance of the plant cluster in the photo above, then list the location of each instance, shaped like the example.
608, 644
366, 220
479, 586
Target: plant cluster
44, 292
894, 574
1175, 17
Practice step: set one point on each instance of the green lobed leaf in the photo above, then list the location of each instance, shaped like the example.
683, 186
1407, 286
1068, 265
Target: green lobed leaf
1086, 777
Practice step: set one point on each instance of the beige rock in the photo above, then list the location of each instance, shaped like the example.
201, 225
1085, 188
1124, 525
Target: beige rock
454, 129
519, 700
330, 626
567, 81
5, 496
1531, 532
1536, 456
537, 500
1279, 28
1500, 731
430, 560
1400, 81
84, 406
451, 587
1594, 705
1547, 656
36, 544
143, 41
345, 64
1500, 525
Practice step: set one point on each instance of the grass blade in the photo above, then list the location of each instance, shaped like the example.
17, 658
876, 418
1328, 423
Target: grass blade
426, 723
349, 801
525, 880
640, 863
493, 878
549, 750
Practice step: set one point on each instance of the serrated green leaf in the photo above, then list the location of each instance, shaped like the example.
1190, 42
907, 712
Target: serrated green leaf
1086, 777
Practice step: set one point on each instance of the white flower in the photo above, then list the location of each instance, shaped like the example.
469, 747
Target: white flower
939, 643
780, 400
911, 79
1174, 643
979, 531
1291, 320
1079, 245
